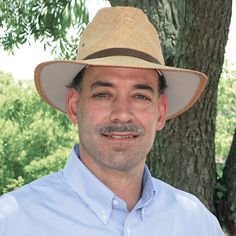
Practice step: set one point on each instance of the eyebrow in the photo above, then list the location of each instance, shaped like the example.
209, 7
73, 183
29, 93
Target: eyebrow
108, 84
101, 83
144, 87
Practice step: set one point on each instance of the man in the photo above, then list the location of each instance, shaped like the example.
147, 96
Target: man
121, 94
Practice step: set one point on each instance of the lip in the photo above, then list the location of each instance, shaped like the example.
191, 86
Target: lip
120, 137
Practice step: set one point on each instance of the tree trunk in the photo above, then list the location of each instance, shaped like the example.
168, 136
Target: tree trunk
193, 35
229, 181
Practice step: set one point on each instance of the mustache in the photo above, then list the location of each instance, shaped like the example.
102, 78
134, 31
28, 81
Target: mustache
127, 128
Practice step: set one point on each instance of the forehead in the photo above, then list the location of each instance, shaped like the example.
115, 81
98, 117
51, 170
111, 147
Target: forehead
120, 75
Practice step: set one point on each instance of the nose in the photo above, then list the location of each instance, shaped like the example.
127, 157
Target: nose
121, 111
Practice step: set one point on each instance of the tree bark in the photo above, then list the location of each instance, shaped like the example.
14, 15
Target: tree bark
193, 35
229, 181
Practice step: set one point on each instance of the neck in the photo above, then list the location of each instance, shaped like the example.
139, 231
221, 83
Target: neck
127, 185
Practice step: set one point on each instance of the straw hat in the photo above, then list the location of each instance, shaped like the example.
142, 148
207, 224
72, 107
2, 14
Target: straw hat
123, 37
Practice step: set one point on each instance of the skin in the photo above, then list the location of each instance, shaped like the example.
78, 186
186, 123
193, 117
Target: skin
112, 96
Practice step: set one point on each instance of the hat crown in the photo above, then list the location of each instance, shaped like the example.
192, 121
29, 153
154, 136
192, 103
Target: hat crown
126, 28
119, 37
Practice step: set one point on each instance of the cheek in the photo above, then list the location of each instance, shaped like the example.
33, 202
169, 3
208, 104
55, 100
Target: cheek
148, 114
91, 114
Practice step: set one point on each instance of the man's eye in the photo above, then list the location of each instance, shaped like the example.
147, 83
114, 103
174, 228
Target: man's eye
101, 95
142, 97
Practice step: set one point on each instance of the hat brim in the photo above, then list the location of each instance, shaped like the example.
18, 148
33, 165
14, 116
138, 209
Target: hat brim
183, 86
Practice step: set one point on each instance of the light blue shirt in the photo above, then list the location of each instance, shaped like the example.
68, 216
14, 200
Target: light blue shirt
73, 202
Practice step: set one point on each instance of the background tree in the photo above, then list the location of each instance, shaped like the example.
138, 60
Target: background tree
229, 181
226, 129
32, 141
193, 35
56, 23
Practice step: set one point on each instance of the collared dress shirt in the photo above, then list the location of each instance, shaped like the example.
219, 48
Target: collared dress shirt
73, 202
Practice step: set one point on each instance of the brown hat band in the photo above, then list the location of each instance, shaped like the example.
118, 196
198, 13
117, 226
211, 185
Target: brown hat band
122, 52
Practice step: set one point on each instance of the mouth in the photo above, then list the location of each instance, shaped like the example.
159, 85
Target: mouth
121, 133
120, 136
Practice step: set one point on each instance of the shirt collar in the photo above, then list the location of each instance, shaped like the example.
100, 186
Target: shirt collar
148, 190
86, 185
148, 186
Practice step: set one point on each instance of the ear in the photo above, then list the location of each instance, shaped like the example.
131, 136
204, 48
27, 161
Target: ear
72, 105
162, 112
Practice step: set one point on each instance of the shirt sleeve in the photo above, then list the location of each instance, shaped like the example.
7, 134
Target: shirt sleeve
10, 220
218, 229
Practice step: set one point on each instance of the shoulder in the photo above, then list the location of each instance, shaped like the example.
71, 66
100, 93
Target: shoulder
173, 194
186, 208
13, 202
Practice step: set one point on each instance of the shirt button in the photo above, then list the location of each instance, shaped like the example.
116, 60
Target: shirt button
115, 202
104, 216
128, 230
143, 212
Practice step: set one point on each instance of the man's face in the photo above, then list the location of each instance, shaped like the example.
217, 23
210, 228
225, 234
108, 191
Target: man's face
118, 111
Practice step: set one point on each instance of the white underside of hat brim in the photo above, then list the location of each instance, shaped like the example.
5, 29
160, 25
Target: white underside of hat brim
183, 86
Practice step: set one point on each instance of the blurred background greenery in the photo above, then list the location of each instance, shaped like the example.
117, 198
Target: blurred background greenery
35, 139
226, 115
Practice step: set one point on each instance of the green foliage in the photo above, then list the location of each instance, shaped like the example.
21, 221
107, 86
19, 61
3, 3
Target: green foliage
226, 115
56, 23
13, 184
220, 190
46, 165
35, 139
